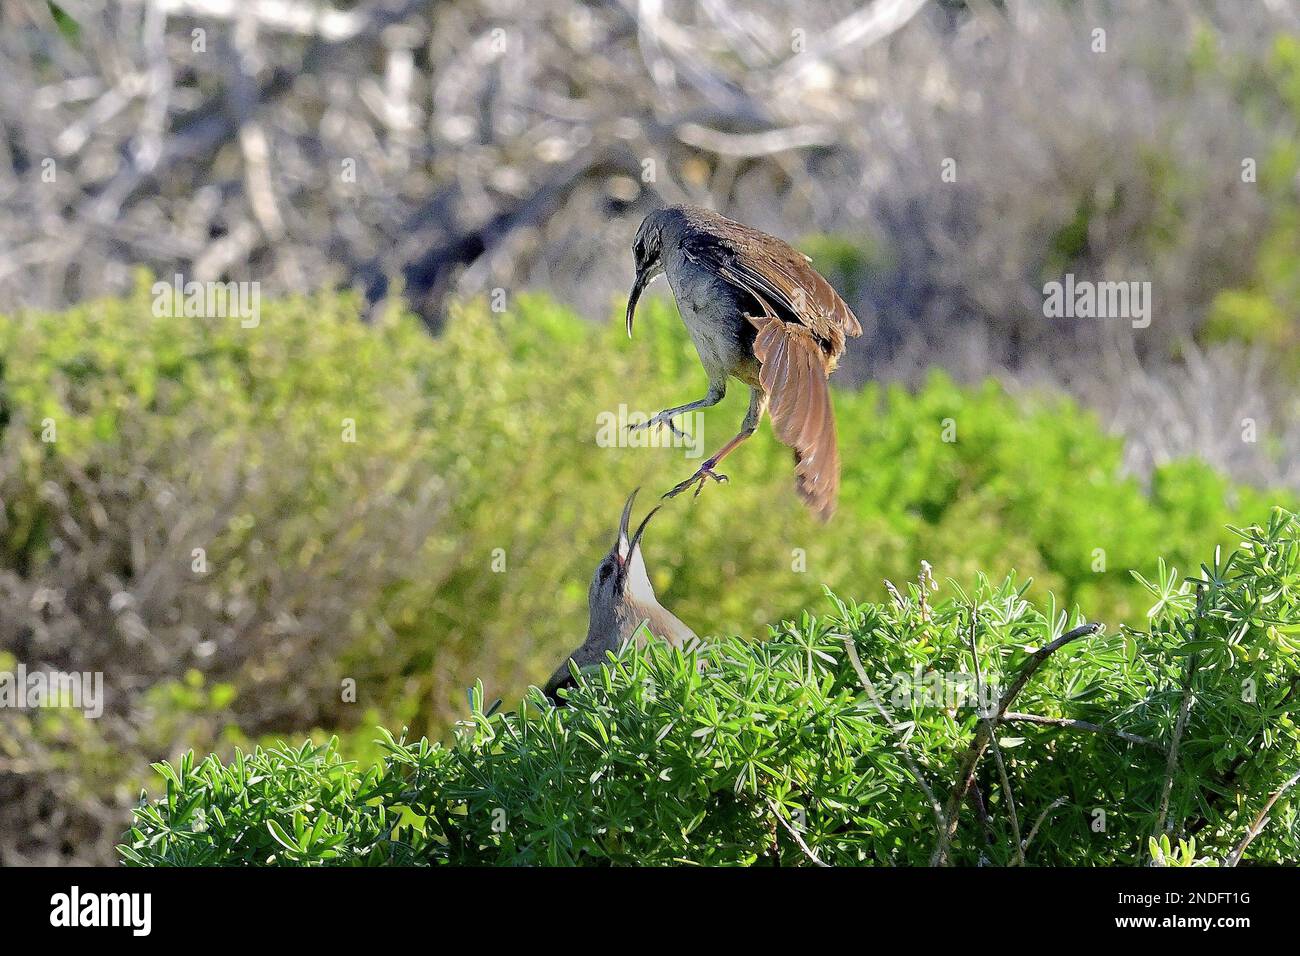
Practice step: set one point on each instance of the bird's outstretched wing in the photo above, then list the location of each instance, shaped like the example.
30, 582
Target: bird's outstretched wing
793, 374
780, 276
801, 326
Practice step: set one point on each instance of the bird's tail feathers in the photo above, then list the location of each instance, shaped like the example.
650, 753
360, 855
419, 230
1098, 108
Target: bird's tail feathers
793, 374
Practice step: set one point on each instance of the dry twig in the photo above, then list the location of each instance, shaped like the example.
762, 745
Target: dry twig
983, 734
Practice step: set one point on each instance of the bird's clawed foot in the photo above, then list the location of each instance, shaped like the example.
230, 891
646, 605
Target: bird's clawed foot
663, 418
698, 479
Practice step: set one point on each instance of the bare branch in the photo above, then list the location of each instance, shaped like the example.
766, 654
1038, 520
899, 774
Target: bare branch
1033, 831
1171, 764
285, 16
869, 25
1184, 710
904, 751
1084, 725
984, 733
794, 833
750, 145
993, 737
1261, 820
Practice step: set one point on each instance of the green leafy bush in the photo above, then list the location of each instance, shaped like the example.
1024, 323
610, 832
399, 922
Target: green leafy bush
1264, 311
181, 513
454, 538
782, 751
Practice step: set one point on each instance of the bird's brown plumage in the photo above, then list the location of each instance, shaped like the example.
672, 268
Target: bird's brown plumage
776, 274
801, 326
621, 604
793, 374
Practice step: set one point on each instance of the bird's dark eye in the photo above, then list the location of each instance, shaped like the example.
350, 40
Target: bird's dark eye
604, 570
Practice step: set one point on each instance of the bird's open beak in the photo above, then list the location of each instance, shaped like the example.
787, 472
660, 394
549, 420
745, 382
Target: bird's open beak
625, 547
637, 287
622, 547
636, 538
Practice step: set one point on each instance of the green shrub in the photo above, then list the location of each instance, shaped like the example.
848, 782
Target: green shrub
181, 514
454, 539
1264, 313
777, 751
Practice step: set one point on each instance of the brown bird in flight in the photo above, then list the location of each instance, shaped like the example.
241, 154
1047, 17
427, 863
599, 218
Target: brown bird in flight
756, 311
619, 601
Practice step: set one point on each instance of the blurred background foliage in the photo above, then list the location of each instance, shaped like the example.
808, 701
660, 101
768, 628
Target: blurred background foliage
453, 539
438, 152
404, 162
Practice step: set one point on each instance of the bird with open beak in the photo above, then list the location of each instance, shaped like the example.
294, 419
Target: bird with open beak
619, 601
757, 311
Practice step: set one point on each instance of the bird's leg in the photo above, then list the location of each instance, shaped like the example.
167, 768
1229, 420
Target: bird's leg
716, 392
757, 405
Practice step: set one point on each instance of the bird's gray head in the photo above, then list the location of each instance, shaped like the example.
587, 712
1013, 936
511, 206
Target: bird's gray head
647, 254
621, 575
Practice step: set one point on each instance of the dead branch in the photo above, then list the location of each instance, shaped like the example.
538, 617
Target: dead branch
993, 739
1033, 831
984, 733
904, 750
1015, 717
1184, 711
1261, 820
794, 833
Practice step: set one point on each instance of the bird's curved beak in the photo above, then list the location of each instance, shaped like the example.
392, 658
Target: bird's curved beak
622, 546
625, 547
636, 538
638, 287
